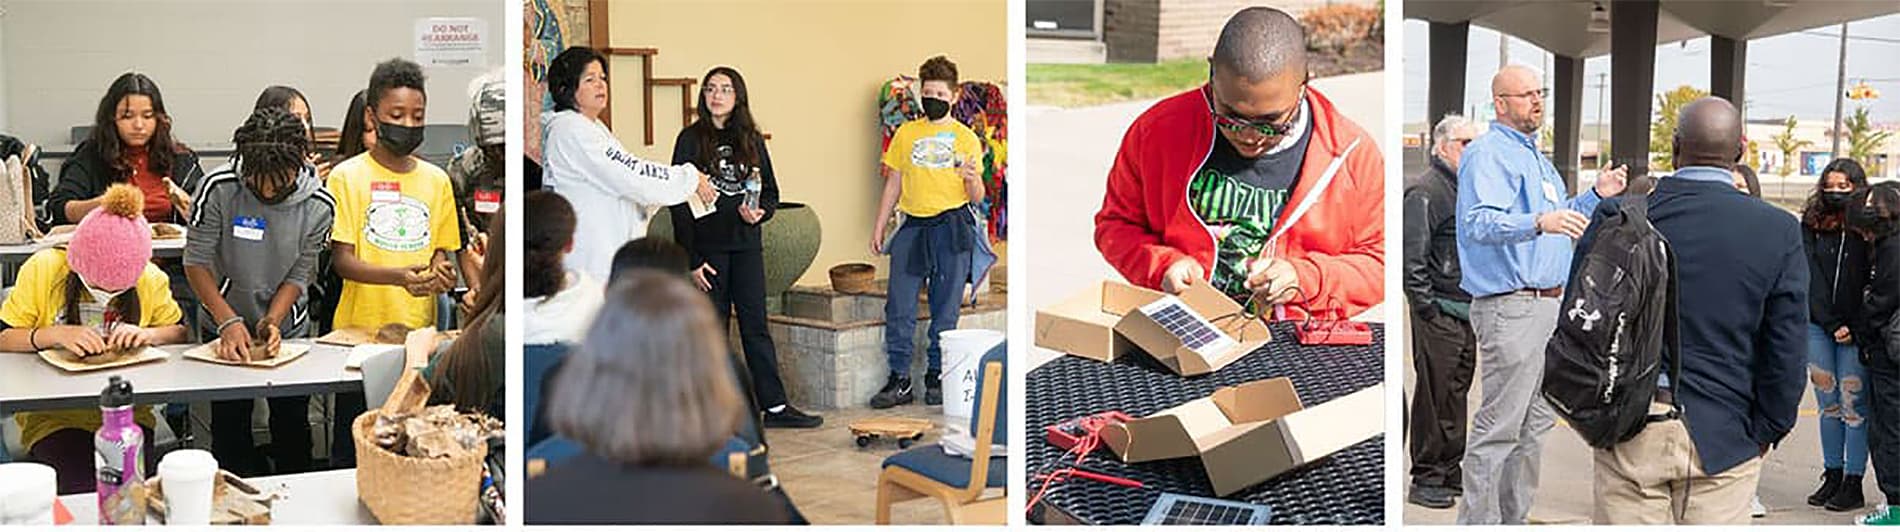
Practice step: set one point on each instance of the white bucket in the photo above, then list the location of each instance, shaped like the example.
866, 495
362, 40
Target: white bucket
962, 349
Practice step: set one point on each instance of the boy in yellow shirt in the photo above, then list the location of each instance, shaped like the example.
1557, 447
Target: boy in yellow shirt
932, 172
395, 213
101, 293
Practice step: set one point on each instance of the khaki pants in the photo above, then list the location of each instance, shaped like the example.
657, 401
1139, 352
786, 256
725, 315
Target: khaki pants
1656, 478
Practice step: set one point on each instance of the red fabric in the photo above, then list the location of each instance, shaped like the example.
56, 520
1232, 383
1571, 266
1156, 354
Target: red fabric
158, 205
1337, 248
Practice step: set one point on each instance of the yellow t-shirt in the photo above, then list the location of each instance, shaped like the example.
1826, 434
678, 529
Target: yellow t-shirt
925, 155
393, 219
39, 300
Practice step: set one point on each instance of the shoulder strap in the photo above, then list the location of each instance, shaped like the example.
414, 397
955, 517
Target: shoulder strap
1672, 339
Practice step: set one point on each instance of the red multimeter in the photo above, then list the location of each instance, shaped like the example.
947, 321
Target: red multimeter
1068, 434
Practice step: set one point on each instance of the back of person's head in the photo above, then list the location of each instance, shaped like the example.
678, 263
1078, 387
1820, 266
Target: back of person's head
1817, 213
564, 74
354, 139
649, 384
549, 239
1708, 133
270, 152
279, 96
397, 73
653, 254
1259, 43
117, 105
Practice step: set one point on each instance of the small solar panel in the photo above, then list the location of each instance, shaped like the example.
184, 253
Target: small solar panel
1194, 331
1177, 509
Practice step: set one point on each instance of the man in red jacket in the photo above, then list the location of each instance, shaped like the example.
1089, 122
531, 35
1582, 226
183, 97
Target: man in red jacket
1253, 182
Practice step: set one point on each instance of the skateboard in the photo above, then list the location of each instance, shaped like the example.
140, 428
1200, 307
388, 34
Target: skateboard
905, 430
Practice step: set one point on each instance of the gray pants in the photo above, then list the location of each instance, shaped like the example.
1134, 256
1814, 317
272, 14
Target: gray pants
1503, 447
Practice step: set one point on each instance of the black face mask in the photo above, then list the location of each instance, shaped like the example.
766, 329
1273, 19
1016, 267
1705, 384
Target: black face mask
398, 139
936, 109
1834, 199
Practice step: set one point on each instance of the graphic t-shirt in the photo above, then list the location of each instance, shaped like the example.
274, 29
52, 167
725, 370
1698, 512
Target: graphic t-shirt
394, 220
926, 154
38, 299
1239, 199
729, 175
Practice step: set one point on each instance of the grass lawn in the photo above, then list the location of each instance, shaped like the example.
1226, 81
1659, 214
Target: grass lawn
1084, 85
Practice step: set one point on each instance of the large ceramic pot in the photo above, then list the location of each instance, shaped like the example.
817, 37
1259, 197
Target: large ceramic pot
790, 239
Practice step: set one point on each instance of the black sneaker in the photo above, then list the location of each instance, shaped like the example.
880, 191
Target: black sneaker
791, 418
933, 389
896, 391
1434, 497
1848, 497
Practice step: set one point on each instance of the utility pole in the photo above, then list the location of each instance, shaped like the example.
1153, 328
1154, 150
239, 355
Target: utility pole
1603, 103
1840, 94
1504, 50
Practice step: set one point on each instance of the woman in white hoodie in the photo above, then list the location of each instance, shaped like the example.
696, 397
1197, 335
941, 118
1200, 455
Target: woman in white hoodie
614, 193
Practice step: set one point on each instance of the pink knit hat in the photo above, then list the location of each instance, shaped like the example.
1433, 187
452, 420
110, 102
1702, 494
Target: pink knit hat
112, 244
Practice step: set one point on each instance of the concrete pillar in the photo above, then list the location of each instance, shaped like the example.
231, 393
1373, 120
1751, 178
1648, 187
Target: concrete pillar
1567, 109
1445, 92
1728, 68
1632, 80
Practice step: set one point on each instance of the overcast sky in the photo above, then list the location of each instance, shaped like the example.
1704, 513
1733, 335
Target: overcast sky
1787, 74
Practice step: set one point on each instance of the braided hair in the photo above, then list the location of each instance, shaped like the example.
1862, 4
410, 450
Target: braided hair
270, 151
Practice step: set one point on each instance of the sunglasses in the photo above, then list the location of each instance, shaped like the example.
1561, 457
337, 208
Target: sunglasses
1234, 124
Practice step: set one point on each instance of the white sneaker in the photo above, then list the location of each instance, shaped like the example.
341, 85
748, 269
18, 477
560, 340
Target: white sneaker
1755, 509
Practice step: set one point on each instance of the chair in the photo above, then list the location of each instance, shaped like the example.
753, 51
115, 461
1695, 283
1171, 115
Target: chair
958, 481
380, 373
538, 362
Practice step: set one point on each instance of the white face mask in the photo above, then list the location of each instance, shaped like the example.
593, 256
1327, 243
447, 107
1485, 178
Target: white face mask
101, 296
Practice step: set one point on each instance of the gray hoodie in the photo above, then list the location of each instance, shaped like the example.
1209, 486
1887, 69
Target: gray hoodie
252, 247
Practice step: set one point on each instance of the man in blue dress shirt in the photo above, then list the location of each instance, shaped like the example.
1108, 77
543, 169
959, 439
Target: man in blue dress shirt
1516, 231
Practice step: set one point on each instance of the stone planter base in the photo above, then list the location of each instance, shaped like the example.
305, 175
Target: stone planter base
831, 345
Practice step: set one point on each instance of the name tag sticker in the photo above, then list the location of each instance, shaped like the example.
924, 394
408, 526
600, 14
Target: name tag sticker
248, 228
385, 192
1550, 192
487, 201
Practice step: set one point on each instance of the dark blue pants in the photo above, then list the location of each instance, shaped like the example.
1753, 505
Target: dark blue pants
947, 272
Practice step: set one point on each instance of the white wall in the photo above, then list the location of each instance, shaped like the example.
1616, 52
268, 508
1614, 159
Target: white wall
212, 57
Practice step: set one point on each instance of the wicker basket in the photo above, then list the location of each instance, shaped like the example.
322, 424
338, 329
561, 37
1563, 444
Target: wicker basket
853, 278
401, 490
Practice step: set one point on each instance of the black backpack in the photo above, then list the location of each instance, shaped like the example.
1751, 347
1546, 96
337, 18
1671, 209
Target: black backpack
1616, 327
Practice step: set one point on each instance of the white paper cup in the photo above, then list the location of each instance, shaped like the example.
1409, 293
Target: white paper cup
27, 491
187, 476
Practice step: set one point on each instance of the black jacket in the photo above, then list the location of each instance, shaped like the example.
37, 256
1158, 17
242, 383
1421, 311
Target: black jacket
87, 174
9, 147
1837, 264
1879, 298
1431, 240
722, 230
1743, 314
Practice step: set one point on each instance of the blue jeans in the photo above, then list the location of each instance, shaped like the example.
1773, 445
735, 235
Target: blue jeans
949, 271
1838, 379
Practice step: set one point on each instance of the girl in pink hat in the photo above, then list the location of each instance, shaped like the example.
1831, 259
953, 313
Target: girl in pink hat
99, 294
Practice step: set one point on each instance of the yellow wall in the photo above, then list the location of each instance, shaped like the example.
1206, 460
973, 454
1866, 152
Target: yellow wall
813, 69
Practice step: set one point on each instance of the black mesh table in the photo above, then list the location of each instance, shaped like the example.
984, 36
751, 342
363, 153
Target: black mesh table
1345, 488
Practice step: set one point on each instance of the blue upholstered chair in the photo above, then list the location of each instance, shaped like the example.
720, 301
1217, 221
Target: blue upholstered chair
959, 482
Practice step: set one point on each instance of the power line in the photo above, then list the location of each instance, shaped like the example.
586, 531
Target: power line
1865, 38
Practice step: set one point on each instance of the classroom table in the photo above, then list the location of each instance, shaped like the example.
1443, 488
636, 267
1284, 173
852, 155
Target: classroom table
319, 498
28, 383
1347, 487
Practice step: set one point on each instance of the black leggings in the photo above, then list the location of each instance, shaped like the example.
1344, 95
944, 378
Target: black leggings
289, 436
70, 453
739, 288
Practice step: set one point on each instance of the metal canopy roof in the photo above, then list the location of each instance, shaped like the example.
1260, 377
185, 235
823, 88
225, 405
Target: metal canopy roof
1561, 26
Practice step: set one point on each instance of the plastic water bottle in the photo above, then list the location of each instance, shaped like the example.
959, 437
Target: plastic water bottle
753, 186
118, 456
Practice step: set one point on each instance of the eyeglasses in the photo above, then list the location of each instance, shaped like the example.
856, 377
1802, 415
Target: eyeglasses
1234, 124
719, 90
1538, 94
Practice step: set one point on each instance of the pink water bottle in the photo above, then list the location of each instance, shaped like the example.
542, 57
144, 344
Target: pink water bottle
118, 456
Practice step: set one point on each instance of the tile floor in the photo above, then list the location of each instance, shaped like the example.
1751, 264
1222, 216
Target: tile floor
833, 482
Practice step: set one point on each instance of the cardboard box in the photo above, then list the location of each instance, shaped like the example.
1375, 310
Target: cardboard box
1104, 323
1252, 432
1084, 324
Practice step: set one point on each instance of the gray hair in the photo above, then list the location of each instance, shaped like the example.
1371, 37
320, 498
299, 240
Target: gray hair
1447, 125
